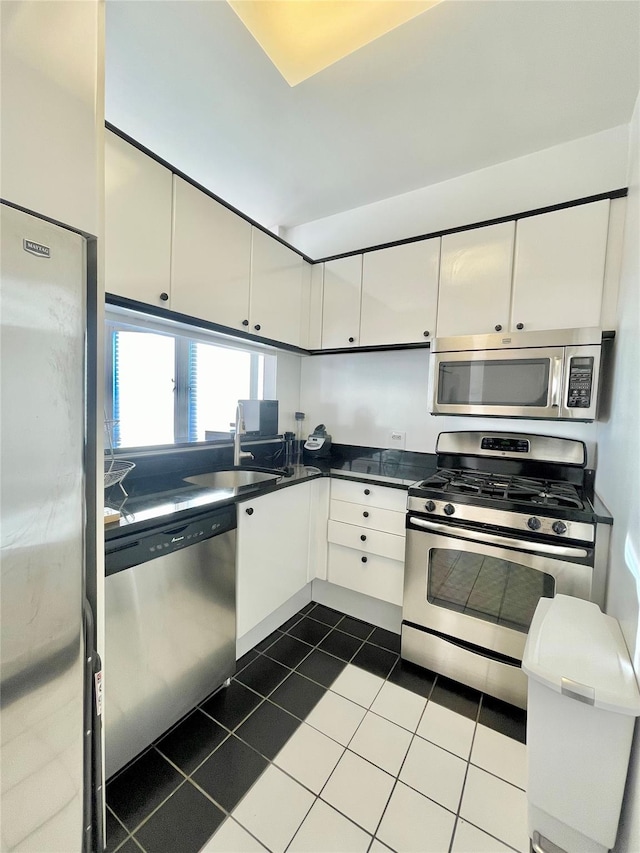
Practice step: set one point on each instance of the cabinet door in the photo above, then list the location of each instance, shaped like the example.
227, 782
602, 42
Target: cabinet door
341, 305
371, 574
276, 304
138, 193
400, 293
210, 260
273, 552
559, 268
475, 281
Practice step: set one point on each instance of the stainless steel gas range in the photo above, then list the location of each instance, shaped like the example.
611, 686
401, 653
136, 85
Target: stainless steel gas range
506, 519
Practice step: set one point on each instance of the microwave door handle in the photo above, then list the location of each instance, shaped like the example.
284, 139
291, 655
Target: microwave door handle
556, 382
495, 539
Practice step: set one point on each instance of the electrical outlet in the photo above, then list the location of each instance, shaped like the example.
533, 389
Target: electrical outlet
397, 439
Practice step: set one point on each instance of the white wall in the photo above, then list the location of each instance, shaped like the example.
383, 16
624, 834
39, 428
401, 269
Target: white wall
618, 477
577, 169
52, 108
361, 397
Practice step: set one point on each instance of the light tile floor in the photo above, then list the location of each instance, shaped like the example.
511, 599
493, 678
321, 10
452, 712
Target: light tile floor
310, 751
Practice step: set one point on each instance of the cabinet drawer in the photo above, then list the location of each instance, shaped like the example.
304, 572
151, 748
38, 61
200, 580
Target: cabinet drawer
371, 517
367, 541
379, 577
369, 494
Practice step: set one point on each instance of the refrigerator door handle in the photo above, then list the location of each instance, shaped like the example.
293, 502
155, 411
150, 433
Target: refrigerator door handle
94, 793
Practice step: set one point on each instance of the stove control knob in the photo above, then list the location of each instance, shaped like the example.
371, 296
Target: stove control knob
534, 523
559, 527
449, 509
430, 506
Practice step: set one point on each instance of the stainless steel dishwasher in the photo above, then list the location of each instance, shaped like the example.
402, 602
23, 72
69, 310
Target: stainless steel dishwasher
170, 626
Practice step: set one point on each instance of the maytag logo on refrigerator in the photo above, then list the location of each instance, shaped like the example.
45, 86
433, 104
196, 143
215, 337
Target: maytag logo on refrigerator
36, 249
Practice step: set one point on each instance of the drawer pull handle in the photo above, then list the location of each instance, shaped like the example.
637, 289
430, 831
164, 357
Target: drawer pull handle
365, 514
367, 491
363, 538
364, 559
249, 510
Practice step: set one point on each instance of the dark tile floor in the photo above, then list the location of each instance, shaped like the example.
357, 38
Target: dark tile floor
337, 687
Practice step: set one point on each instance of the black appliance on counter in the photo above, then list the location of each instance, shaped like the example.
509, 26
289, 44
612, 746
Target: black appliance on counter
506, 519
260, 418
318, 445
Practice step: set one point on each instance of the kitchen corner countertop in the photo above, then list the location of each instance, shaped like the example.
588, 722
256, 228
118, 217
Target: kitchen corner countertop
179, 498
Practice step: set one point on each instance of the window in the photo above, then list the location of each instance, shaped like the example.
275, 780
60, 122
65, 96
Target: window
167, 386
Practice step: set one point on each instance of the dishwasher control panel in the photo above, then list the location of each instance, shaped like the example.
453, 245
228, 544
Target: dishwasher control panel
135, 548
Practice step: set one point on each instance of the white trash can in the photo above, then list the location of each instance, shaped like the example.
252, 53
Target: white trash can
583, 701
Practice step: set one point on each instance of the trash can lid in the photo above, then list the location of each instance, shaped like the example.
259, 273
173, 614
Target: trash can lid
575, 649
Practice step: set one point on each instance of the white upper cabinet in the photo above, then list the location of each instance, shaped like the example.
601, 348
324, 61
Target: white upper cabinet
138, 194
400, 294
341, 305
559, 266
211, 259
52, 126
475, 281
276, 304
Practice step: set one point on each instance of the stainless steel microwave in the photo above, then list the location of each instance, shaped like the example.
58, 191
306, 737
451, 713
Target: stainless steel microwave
553, 375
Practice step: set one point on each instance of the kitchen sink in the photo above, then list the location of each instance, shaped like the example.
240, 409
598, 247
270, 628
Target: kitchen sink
233, 478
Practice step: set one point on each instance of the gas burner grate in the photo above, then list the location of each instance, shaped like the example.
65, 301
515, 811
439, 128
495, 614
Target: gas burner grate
504, 487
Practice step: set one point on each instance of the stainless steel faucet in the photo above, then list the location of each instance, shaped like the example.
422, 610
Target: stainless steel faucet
238, 453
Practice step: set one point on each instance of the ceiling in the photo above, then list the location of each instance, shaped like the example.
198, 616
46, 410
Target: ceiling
464, 85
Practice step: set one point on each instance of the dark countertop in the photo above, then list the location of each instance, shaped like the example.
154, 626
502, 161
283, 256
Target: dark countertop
160, 499
146, 511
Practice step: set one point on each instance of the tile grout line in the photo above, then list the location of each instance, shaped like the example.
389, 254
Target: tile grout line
303, 721
188, 778
466, 773
397, 778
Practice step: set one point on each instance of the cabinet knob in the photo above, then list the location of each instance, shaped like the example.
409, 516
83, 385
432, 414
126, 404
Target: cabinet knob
519, 325
365, 514
367, 491
351, 340
245, 322
249, 510
364, 559
363, 538
257, 327
498, 328
164, 296
426, 333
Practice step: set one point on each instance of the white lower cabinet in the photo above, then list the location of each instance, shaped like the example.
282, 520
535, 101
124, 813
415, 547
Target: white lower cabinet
366, 535
272, 552
376, 576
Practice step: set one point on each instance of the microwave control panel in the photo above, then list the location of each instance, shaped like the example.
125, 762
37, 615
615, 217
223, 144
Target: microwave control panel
580, 382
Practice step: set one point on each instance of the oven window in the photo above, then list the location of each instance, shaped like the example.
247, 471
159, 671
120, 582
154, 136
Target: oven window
486, 588
512, 382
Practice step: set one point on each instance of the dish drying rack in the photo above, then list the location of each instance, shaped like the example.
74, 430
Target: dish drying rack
115, 470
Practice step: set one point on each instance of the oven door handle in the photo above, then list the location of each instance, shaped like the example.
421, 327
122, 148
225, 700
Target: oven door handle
494, 539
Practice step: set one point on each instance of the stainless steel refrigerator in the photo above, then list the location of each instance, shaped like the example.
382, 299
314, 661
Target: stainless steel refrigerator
49, 729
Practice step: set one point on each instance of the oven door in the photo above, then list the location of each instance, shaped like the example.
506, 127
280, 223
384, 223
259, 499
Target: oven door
481, 588
506, 383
